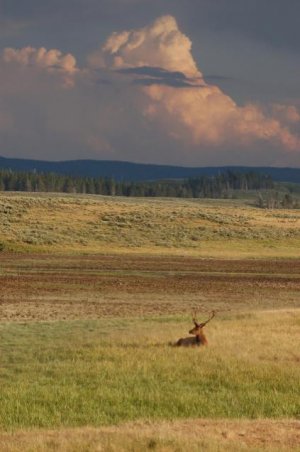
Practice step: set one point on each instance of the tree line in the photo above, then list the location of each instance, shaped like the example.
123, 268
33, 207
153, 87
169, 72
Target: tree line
219, 186
197, 187
275, 200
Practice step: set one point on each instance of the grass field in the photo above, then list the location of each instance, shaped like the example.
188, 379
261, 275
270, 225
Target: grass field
91, 224
86, 354
106, 372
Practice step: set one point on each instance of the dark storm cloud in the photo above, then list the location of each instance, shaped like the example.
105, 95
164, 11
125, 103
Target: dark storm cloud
158, 76
72, 25
74, 12
214, 78
274, 21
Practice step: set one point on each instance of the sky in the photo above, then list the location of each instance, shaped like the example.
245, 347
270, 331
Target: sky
182, 82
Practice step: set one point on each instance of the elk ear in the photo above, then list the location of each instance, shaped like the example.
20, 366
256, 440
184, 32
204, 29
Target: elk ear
196, 324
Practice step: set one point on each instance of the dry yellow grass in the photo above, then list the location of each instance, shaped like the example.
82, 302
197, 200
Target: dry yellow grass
180, 436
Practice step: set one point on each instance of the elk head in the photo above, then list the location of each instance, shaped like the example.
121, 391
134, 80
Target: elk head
198, 326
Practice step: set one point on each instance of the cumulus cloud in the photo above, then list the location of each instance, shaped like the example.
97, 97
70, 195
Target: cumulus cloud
198, 112
40, 118
160, 44
53, 61
286, 113
141, 97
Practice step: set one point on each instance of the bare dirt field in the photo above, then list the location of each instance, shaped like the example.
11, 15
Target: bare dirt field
59, 287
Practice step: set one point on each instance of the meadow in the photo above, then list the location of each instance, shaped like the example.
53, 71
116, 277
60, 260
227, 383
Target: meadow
88, 319
99, 224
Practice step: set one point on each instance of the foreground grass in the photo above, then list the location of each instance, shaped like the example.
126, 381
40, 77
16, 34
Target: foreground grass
66, 374
89, 224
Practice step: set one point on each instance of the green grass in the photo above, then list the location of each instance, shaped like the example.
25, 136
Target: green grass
65, 374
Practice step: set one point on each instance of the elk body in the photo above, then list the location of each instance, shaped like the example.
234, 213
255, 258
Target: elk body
199, 336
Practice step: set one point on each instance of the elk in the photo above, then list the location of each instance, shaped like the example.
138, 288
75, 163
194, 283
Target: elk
197, 331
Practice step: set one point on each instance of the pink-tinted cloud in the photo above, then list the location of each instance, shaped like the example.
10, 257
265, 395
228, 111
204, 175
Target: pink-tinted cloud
286, 113
53, 61
141, 97
40, 118
160, 44
200, 115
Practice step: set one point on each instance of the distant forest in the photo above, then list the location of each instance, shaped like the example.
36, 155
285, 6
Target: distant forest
220, 186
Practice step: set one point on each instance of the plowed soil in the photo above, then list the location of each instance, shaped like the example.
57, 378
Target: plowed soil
48, 287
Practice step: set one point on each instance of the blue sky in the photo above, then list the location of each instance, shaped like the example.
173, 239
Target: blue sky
192, 82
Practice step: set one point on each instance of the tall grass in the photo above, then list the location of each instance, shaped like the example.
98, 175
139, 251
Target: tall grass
65, 374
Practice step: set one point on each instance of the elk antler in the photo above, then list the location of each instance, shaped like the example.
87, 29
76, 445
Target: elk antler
194, 318
211, 317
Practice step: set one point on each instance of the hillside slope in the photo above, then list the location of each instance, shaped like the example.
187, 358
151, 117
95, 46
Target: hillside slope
87, 223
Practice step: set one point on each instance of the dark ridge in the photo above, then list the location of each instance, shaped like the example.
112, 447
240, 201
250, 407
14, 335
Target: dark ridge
128, 171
